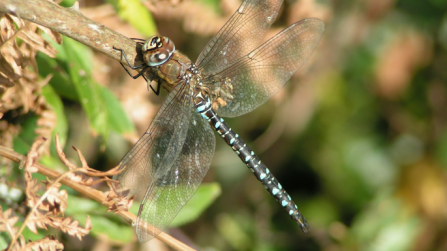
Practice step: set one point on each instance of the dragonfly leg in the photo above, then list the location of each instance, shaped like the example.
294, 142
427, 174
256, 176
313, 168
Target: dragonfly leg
141, 41
152, 88
141, 73
144, 66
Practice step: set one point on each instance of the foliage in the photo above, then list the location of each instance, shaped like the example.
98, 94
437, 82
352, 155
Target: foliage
358, 137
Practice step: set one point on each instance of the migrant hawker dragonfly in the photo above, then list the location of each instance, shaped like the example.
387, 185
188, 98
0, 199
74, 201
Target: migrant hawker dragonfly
233, 75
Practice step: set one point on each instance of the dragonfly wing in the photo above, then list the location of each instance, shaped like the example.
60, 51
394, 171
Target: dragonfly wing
241, 34
261, 73
170, 191
156, 150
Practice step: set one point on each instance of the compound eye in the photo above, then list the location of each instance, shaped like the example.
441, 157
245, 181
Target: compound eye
157, 50
168, 45
152, 43
158, 58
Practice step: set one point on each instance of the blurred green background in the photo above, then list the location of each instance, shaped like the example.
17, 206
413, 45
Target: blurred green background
357, 137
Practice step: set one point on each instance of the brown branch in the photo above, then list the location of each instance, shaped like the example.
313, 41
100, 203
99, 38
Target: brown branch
71, 23
89, 192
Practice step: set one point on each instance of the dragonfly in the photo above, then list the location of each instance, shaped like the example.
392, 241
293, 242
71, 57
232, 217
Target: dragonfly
233, 75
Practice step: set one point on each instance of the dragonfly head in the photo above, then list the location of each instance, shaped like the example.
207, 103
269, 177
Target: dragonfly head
157, 50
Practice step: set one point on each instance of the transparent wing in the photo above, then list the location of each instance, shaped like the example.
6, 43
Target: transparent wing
155, 152
168, 162
241, 34
262, 73
170, 190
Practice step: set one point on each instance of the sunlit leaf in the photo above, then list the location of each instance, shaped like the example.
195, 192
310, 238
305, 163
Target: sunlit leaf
81, 205
103, 224
88, 90
137, 15
118, 119
23, 141
57, 67
56, 104
202, 199
4, 240
113, 230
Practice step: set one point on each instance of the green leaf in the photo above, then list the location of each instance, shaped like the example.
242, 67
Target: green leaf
57, 67
88, 90
202, 199
41, 233
113, 230
23, 141
136, 14
56, 104
67, 3
118, 121
5, 239
52, 161
215, 4
79, 208
78, 205
73, 69
204, 196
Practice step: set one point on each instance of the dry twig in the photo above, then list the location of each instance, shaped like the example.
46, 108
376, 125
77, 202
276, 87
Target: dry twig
70, 22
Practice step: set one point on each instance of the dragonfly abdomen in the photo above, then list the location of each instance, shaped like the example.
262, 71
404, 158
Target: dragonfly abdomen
204, 107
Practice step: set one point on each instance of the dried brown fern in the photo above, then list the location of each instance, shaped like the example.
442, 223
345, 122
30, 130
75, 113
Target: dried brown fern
47, 243
20, 88
47, 209
7, 222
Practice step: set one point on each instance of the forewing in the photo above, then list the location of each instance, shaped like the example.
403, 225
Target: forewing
260, 74
241, 34
156, 151
170, 190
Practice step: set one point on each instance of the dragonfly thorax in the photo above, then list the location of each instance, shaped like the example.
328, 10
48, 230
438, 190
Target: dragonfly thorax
201, 100
157, 50
173, 71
